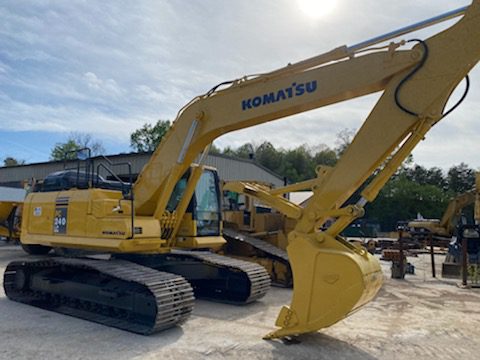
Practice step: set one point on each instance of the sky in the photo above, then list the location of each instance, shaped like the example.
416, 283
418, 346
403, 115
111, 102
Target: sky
107, 67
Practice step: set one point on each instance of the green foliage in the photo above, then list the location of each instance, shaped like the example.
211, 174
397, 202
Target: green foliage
419, 190
75, 142
246, 151
325, 157
65, 150
460, 178
228, 151
424, 176
11, 161
215, 150
296, 164
148, 137
268, 156
403, 198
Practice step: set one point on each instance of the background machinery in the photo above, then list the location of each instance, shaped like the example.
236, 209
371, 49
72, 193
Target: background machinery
10, 212
464, 247
468, 236
9, 220
144, 226
256, 232
443, 229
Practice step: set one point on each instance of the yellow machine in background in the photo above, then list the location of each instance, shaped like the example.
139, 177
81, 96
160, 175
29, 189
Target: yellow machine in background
246, 214
255, 218
172, 204
11, 201
467, 235
256, 232
443, 229
9, 221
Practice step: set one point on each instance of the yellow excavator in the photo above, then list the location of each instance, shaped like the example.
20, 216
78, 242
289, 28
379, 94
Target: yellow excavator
145, 285
11, 201
9, 220
442, 230
256, 232
465, 235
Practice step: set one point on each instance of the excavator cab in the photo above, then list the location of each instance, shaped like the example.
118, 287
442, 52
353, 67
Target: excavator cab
201, 225
205, 204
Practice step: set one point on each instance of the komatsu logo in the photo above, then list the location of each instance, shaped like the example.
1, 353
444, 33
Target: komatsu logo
280, 95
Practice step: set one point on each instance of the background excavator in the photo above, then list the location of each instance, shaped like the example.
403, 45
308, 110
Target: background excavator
453, 263
256, 232
443, 229
10, 213
9, 220
173, 205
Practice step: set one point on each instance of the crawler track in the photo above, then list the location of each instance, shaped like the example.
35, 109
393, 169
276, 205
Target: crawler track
258, 278
264, 250
115, 293
212, 276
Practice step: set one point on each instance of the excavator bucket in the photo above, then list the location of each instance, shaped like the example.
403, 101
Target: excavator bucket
332, 278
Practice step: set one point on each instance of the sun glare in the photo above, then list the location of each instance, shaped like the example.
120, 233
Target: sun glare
317, 8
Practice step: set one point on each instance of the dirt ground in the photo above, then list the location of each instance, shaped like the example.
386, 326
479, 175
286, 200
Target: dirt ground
416, 318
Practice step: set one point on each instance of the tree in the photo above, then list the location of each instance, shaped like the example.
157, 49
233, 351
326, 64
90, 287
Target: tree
86, 141
148, 137
461, 178
65, 150
298, 165
268, 156
75, 142
11, 161
214, 150
424, 176
229, 151
325, 156
435, 177
246, 151
344, 139
403, 199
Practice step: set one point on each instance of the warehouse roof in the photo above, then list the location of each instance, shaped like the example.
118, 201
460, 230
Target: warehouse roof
229, 168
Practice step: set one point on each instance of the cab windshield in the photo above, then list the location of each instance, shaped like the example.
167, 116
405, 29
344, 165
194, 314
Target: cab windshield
207, 205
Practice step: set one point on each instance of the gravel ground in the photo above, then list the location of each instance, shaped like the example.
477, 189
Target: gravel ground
419, 317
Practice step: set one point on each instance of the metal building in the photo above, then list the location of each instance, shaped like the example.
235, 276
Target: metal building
228, 169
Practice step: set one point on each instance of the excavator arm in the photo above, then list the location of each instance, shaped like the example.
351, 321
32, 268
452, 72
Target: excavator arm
331, 277
454, 209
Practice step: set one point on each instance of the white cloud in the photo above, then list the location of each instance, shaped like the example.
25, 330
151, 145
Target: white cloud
110, 66
107, 88
146, 92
